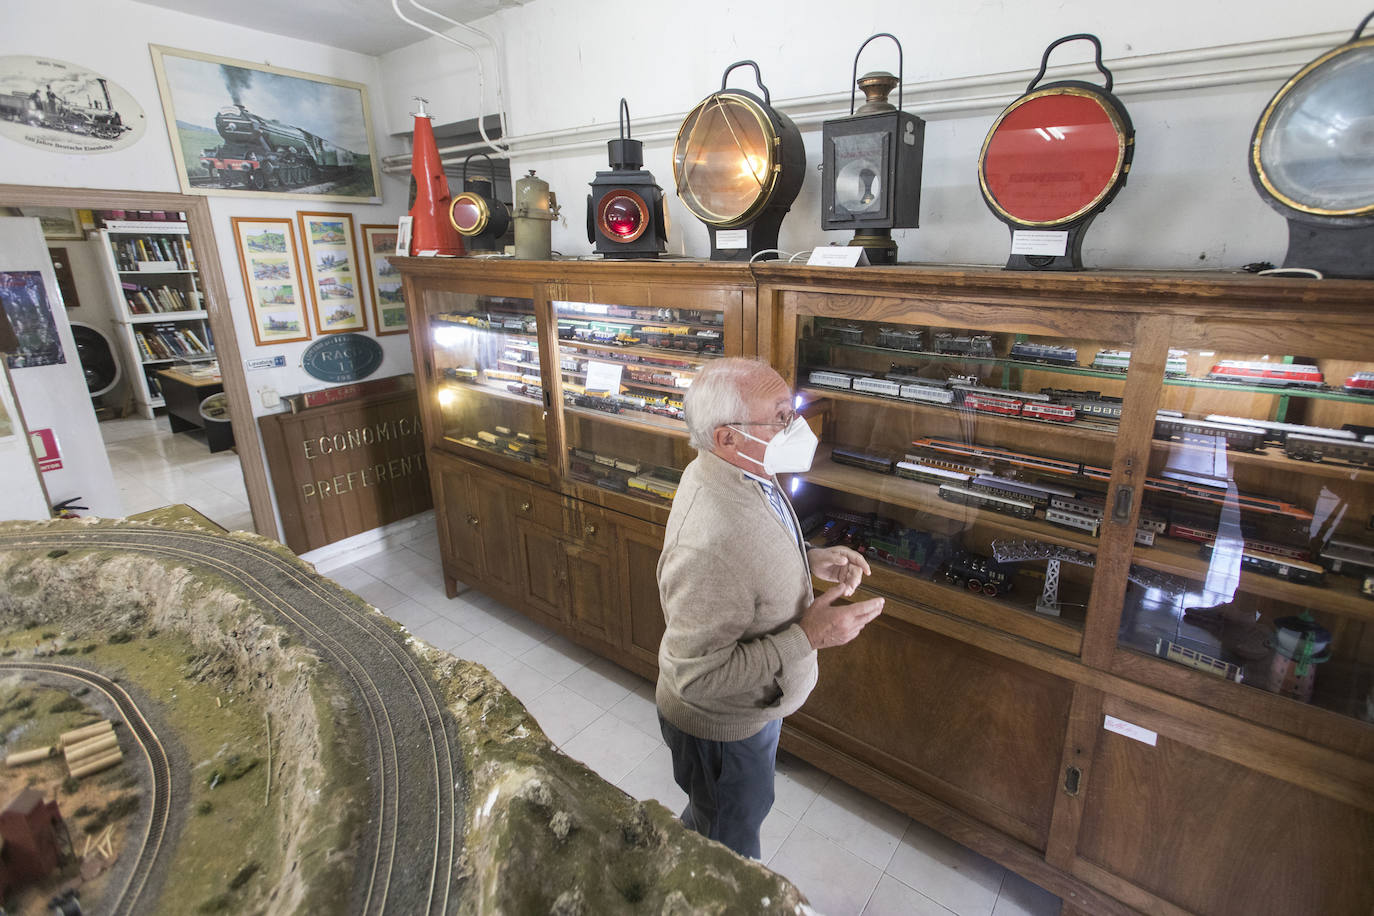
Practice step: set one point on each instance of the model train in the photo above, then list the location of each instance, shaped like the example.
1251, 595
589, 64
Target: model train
260, 153
1175, 364
1274, 375
56, 113
1316, 448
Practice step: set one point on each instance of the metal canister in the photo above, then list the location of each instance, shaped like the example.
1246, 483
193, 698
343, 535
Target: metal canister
536, 208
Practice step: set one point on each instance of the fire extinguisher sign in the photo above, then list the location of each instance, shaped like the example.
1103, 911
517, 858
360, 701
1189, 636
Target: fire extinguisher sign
44, 445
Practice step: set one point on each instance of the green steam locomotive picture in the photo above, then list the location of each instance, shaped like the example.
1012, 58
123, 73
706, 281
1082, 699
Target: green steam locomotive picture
244, 128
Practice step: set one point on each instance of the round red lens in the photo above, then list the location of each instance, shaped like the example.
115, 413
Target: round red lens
466, 215
622, 217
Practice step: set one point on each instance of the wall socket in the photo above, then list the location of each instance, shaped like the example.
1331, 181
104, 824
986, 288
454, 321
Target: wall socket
269, 396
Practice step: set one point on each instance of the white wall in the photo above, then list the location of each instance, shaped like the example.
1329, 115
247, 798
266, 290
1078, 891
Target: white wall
1189, 201
23, 494
111, 37
95, 308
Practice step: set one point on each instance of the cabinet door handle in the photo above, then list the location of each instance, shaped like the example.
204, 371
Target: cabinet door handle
589, 530
525, 506
472, 520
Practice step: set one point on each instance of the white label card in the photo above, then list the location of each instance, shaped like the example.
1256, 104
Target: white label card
839, 256
603, 376
1044, 242
729, 239
403, 229
1130, 730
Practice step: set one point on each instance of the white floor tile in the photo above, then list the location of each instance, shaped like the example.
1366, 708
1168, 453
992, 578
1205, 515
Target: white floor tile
777, 827
1020, 897
652, 778
557, 657
640, 711
472, 617
797, 785
379, 595
610, 747
866, 827
837, 882
480, 651
604, 683
893, 898
438, 632
520, 679
562, 713
951, 875
516, 635
411, 615
350, 577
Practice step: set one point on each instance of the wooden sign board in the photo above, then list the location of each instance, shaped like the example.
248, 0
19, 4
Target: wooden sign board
347, 467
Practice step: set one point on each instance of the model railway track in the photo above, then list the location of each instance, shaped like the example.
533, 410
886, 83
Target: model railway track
415, 784
128, 899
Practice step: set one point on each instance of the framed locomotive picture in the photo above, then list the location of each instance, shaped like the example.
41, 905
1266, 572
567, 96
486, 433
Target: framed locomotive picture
60, 107
384, 280
271, 279
240, 128
332, 268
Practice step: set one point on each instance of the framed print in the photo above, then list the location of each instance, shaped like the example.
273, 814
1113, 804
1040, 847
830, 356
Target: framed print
384, 280
240, 128
57, 222
331, 265
26, 307
65, 108
271, 280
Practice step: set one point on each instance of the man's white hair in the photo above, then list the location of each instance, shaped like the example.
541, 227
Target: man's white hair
716, 397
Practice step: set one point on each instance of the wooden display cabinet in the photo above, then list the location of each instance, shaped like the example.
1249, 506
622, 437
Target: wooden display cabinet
978, 701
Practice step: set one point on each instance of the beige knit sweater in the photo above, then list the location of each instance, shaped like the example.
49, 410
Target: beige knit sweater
733, 583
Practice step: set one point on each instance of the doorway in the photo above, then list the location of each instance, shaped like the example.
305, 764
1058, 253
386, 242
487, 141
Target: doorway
154, 427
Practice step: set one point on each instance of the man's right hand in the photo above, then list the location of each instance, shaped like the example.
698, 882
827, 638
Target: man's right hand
827, 624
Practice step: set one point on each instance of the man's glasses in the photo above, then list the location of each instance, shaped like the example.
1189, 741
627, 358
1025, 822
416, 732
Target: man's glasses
782, 422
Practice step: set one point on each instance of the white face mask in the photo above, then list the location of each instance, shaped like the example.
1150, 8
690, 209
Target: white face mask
789, 452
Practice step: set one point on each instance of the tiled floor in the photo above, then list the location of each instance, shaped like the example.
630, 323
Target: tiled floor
847, 852
153, 468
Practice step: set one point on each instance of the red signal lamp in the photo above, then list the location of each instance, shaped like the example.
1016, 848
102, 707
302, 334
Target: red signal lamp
626, 214
1052, 161
431, 233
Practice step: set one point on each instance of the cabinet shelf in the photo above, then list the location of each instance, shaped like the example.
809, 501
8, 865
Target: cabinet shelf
692, 357
1086, 428
159, 317
439, 323
638, 420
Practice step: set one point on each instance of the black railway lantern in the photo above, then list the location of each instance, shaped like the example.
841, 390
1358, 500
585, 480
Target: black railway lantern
478, 215
871, 164
1052, 161
738, 165
1312, 159
626, 214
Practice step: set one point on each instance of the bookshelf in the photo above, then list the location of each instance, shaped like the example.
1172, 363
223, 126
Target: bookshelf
159, 305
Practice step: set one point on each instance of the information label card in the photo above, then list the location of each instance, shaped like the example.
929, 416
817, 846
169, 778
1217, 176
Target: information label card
603, 376
1130, 730
1044, 242
838, 256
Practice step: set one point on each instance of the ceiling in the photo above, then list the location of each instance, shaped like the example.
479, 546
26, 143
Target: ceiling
366, 26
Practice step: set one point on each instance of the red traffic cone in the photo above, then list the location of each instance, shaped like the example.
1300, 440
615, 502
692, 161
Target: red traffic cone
431, 231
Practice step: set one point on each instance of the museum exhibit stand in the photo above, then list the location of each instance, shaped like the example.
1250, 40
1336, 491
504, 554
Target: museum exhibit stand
1122, 521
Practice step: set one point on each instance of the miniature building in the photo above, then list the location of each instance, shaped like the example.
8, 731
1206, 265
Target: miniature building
29, 849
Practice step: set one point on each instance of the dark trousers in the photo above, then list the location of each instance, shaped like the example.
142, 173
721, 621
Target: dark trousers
729, 784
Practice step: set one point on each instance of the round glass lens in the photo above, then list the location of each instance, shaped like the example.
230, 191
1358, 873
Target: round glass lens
466, 215
1317, 148
1052, 157
622, 217
723, 159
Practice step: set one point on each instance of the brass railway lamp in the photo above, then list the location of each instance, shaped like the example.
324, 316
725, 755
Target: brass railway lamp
871, 164
1052, 161
738, 165
626, 215
477, 213
1312, 159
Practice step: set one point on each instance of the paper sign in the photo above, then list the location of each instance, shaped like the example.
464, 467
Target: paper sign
603, 376
1044, 242
44, 445
732, 238
404, 226
839, 256
1122, 727
264, 362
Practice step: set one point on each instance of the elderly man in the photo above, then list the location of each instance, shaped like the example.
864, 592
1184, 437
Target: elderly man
739, 652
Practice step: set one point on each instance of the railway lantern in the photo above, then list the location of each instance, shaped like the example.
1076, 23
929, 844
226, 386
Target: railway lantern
1312, 159
737, 165
626, 213
871, 164
477, 213
431, 231
1052, 161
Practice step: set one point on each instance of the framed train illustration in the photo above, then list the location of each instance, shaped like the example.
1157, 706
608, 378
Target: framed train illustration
239, 128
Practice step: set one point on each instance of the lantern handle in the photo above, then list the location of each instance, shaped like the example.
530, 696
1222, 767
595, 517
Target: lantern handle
490, 165
1097, 58
1360, 28
854, 77
758, 78
624, 120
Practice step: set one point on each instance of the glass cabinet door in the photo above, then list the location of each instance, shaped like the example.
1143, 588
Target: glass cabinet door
486, 373
1264, 573
624, 372
970, 465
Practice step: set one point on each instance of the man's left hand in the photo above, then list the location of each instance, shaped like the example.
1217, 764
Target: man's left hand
839, 564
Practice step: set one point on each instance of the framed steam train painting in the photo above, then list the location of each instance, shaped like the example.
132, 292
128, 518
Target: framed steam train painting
271, 279
331, 263
61, 107
243, 129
